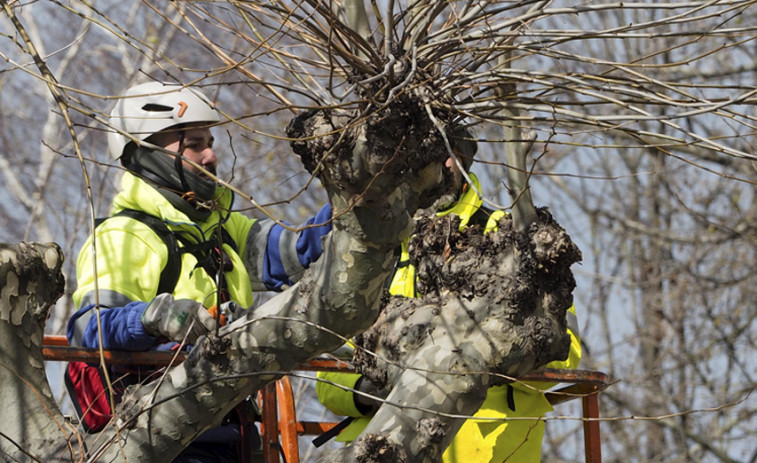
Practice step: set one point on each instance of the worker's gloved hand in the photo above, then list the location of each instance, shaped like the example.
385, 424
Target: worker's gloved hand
182, 320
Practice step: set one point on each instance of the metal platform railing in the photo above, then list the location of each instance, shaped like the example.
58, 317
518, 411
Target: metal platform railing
280, 427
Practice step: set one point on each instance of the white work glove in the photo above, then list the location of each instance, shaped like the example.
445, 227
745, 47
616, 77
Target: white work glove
182, 320
231, 311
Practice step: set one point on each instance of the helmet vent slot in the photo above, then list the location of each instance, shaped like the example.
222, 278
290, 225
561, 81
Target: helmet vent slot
152, 107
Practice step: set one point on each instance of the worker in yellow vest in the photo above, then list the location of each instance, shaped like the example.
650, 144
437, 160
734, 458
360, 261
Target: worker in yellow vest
173, 261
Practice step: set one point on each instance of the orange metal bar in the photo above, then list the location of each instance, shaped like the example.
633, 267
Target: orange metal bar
573, 391
287, 421
269, 426
56, 348
326, 364
314, 428
55, 341
592, 440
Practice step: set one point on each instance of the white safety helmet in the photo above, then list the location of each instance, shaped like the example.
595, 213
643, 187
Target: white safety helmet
148, 108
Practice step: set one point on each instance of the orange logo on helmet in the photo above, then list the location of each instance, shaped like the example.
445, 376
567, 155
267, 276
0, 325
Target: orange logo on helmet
182, 108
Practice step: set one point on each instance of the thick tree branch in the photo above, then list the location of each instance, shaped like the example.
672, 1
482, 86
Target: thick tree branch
33, 427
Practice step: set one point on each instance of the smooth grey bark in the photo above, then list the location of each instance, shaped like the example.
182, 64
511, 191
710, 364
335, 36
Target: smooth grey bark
32, 427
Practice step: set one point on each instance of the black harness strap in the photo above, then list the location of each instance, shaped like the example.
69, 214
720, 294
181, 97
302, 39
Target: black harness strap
209, 254
510, 397
331, 433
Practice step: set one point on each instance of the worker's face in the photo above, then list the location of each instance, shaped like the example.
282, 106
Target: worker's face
197, 146
456, 175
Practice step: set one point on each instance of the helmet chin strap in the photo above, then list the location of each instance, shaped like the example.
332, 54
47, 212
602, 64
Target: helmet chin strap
186, 190
188, 195
179, 164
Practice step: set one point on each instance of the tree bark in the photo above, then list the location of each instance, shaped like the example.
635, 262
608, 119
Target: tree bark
33, 427
494, 308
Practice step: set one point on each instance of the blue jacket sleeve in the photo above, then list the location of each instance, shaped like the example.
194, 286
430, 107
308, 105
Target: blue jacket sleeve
121, 328
310, 243
288, 254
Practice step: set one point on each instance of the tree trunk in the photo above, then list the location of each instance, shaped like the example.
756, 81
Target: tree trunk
493, 309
